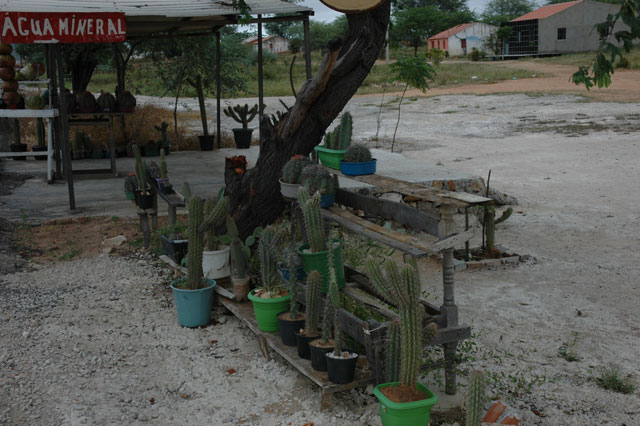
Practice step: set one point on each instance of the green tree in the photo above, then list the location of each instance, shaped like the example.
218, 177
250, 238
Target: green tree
495, 41
320, 33
599, 72
499, 11
413, 71
600, 1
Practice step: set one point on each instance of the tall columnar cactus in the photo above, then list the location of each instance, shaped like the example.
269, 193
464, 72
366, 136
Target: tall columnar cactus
402, 288
293, 287
140, 169
357, 153
314, 284
475, 399
334, 298
313, 223
162, 128
317, 178
241, 113
392, 363
196, 243
163, 165
267, 249
215, 213
340, 137
291, 172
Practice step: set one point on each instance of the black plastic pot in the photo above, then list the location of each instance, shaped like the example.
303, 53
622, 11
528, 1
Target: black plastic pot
164, 185
175, 249
341, 370
144, 200
39, 149
302, 341
242, 138
206, 142
318, 358
288, 329
19, 147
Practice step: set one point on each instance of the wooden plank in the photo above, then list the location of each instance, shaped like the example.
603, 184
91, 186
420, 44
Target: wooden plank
244, 312
370, 233
369, 301
390, 210
453, 240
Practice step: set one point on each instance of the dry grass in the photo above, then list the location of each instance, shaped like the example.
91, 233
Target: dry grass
139, 127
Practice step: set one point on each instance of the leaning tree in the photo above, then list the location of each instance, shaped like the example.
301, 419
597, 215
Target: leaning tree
255, 193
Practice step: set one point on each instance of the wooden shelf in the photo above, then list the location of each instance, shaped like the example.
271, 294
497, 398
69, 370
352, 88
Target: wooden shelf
28, 113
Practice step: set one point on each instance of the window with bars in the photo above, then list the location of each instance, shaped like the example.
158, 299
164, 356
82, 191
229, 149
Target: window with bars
562, 33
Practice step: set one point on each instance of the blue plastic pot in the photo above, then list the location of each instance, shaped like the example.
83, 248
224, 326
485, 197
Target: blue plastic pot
327, 200
405, 413
193, 306
358, 169
285, 272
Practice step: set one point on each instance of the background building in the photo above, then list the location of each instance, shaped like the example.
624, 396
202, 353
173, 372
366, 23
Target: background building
461, 39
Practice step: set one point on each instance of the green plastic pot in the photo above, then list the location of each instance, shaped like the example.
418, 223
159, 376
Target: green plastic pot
267, 310
330, 157
193, 306
415, 413
320, 262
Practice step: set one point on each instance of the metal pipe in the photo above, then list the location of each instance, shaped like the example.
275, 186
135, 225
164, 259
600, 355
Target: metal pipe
218, 90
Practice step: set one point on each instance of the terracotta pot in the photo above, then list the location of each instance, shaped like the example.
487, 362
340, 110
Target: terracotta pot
7, 61
10, 85
11, 98
7, 73
241, 288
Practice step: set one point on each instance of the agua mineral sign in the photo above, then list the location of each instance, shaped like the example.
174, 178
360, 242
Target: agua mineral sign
33, 27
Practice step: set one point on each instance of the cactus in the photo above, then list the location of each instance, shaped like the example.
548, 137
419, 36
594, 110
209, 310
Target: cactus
392, 363
334, 298
215, 212
314, 284
291, 172
240, 252
313, 222
475, 399
242, 114
317, 178
357, 153
106, 102
196, 243
140, 169
162, 128
269, 240
293, 288
151, 169
86, 102
402, 288
490, 226
163, 165
130, 184
186, 191
340, 137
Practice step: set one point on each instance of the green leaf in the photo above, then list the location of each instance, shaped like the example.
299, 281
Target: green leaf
250, 240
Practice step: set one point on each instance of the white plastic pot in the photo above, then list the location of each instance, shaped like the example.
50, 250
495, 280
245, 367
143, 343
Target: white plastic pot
215, 264
289, 190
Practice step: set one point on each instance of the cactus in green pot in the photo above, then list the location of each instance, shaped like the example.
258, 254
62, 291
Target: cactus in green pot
242, 113
402, 288
270, 239
357, 153
392, 353
340, 137
313, 222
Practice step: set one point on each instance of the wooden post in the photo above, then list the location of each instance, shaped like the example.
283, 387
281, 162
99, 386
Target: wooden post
307, 46
112, 146
64, 124
260, 77
53, 88
218, 93
448, 308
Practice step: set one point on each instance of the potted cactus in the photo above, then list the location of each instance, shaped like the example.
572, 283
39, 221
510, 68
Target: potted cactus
86, 102
174, 241
126, 102
336, 143
240, 253
215, 259
341, 364
316, 178
106, 102
357, 161
320, 347
163, 181
269, 299
291, 178
292, 321
315, 254
243, 115
312, 315
291, 261
193, 295
144, 198
403, 400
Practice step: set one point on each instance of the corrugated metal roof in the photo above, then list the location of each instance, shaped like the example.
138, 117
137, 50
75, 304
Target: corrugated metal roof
546, 11
451, 31
149, 17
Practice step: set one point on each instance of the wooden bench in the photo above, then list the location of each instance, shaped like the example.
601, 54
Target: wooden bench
173, 201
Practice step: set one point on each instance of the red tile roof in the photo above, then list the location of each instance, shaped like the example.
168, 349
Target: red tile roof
451, 31
546, 11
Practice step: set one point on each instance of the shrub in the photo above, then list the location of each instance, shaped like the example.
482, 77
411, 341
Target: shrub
474, 55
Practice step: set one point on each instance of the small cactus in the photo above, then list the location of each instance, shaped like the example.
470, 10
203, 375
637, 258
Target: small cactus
196, 243
313, 222
162, 128
340, 137
240, 252
242, 114
293, 288
163, 165
215, 212
357, 153
317, 178
334, 298
291, 172
140, 169
402, 287
314, 284
475, 399
269, 240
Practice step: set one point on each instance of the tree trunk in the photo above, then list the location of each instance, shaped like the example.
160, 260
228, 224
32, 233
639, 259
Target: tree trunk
255, 194
82, 67
203, 108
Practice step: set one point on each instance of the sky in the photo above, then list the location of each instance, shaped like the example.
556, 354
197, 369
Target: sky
323, 13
